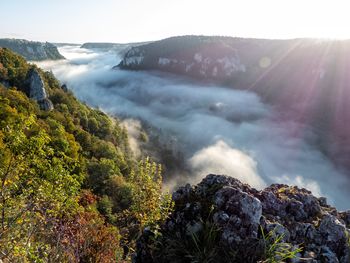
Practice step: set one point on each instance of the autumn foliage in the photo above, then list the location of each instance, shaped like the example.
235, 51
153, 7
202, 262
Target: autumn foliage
70, 188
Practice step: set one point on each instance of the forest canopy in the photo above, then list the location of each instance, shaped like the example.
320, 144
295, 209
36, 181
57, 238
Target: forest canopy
70, 188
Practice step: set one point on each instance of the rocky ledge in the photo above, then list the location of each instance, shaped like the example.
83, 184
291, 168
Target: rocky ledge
224, 220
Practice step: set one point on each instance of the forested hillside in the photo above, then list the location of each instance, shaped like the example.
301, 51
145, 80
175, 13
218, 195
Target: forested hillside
70, 188
32, 50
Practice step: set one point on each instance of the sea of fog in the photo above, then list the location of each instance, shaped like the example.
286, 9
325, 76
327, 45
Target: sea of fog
219, 130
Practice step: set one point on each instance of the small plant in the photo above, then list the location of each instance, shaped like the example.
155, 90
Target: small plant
199, 245
204, 244
347, 234
275, 249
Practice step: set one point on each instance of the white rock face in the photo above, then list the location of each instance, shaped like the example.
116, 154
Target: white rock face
207, 66
198, 57
164, 61
37, 90
189, 67
133, 58
136, 60
231, 65
198, 63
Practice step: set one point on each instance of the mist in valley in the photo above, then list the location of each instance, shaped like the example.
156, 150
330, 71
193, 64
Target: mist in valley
215, 129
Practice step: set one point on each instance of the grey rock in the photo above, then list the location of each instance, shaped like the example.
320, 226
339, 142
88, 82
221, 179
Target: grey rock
239, 212
64, 87
234, 201
327, 255
182, 193
36, 85
278, 231
323, 201
332, 231
37, 90
345, 216
272, 204
46, 104
221, 218
346, 256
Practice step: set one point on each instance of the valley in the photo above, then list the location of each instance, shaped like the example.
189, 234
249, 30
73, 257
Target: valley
203, 128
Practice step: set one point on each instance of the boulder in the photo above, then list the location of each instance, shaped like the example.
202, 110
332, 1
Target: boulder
333, 233
64, 88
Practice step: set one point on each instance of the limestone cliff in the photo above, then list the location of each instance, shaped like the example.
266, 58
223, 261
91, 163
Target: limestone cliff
32, 50
36, 90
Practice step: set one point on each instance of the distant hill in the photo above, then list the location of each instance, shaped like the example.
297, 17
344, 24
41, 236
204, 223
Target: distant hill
101, 45
226, 59
305, 77
32, 50
66, 44
120, 48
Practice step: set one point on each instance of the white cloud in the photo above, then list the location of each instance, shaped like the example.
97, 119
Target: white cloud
133, 127
223, 159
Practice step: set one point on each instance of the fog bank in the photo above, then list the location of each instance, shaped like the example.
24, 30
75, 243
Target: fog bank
218, 130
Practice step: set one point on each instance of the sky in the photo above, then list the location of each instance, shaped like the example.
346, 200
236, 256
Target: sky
120, 21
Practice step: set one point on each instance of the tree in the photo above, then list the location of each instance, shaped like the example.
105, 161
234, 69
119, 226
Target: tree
35, 185
150, 206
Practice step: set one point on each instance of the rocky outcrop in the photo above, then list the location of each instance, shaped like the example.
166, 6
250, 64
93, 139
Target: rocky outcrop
245, 222
64, 87
32, 50
36, 90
